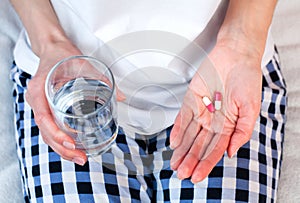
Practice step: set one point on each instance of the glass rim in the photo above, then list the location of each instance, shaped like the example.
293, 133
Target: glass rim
50, 101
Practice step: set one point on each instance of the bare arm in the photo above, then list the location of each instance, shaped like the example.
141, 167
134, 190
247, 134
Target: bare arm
245, 29
40, 22
50, 44
246, 25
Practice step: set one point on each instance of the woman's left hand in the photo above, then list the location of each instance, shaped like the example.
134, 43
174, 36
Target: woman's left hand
200, 138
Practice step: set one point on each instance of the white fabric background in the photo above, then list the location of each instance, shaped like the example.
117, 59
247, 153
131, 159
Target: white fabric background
286, 31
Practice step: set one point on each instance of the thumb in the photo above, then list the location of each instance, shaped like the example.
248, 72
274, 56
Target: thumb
120, 95
242, 133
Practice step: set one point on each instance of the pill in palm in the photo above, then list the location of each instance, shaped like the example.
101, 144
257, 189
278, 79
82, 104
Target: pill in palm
209, 105
218, 100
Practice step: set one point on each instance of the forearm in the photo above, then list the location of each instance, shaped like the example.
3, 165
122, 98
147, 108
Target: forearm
246, 25
40, 22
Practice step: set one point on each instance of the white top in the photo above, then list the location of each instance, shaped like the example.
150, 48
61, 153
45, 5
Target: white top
152, 47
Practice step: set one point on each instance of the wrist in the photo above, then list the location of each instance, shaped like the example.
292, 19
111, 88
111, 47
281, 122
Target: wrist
40, 22
241, 42
246, 25
41, 43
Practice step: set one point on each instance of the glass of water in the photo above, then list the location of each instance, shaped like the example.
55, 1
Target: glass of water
81, 94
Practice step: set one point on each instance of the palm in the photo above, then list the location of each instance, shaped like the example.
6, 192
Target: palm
200, 138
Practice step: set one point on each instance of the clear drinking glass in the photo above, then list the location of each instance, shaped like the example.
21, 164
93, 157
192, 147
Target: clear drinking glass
81, 94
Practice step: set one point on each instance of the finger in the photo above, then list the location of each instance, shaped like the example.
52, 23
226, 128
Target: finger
191, 160
243, 131
44, 119
60, 142
189, 137
81, 67
182, 121
42, 113
71, 154
192, 107
211, 157
120, 95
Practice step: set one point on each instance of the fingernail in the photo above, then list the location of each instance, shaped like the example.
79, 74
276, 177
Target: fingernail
121, 96
79, 161
173, 144
184, 172
68, 145
195, 180
179, 176
235, 152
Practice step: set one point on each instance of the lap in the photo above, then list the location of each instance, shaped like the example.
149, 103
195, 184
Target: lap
137, 167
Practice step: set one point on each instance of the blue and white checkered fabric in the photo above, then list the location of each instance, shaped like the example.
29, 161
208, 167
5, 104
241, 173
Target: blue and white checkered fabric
138, 170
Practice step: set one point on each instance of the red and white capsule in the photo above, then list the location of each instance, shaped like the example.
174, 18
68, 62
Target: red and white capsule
209, 105
218, 101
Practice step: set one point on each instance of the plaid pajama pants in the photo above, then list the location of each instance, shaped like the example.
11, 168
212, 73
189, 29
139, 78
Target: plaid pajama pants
250, 176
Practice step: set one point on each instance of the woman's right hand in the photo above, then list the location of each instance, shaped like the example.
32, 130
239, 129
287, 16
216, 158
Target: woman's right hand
60, 142
50, 43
